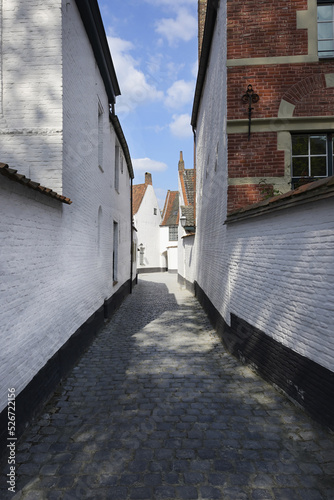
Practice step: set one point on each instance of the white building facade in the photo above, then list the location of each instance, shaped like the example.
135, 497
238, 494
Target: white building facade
65, 251
147, 219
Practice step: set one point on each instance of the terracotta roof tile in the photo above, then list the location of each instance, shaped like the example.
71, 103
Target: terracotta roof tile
188, 175
170, 215
12, 174
138, 192
187, 179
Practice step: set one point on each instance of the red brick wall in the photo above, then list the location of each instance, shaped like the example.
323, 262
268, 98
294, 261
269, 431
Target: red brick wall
255, 158
265, 28
293, 82
240, 196
268, 28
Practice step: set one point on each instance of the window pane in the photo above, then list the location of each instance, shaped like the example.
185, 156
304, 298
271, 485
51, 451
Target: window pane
300, 167
173, 233
326, 48
318, 166
325, 12
325, 31
318, 145
300, 145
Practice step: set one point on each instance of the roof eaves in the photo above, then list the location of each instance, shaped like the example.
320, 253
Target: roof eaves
210, 21
314, 191
165, 207
12, 174
91, 17
120, 135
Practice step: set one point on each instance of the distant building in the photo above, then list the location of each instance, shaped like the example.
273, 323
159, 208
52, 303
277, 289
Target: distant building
187, 226
147, 219
169, 230
65, 190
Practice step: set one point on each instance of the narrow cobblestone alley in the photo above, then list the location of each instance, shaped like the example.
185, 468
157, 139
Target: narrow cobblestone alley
156, 409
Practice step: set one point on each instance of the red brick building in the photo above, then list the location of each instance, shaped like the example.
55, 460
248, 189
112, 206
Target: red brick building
285, 51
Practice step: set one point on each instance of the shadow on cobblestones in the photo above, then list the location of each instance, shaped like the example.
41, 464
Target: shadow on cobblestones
157, 409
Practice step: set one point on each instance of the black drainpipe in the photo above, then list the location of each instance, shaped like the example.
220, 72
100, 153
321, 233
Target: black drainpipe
131, 240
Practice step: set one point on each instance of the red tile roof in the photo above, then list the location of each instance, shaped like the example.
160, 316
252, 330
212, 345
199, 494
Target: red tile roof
138, 192
170, 214
187, 181
12, 174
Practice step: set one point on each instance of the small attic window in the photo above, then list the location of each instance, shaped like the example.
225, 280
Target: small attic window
155, 211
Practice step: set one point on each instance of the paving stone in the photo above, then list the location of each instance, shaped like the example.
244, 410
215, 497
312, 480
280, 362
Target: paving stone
157, 409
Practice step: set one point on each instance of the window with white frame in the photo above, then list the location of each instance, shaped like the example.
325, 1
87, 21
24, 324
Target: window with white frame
312, 157
325, 15
173, 233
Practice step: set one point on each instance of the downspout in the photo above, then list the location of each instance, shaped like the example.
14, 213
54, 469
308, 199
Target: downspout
131, 237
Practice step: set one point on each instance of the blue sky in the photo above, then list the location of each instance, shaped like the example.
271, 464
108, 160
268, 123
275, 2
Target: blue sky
153, 44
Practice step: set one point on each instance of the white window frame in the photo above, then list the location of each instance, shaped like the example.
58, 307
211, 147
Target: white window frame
295, 179
330, 52
173, 231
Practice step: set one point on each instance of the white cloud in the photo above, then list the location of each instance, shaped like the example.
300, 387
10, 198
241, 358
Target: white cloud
183, 27
179, 93
148, 165
194, 69
180, 126
133, 84
172, 3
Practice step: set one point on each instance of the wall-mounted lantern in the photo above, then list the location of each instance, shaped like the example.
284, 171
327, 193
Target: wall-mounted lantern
250, 97
183, 220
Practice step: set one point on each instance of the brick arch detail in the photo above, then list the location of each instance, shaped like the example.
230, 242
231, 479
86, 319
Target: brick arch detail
304, 88
312, 96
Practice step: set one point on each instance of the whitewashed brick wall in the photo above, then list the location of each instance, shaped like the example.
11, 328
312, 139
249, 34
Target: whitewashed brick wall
281, 277
211, 182
276, 271
187, 258
55, 259
31, 80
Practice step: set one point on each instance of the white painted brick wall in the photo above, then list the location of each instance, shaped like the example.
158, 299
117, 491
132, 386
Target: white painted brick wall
211, 175
281, 277
186, 258
276, 271
31, 118
56, 264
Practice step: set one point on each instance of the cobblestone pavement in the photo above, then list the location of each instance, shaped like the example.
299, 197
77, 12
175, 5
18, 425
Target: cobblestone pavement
156, 409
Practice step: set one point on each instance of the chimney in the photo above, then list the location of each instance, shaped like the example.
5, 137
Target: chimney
202, 6
181, 162
148, 179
